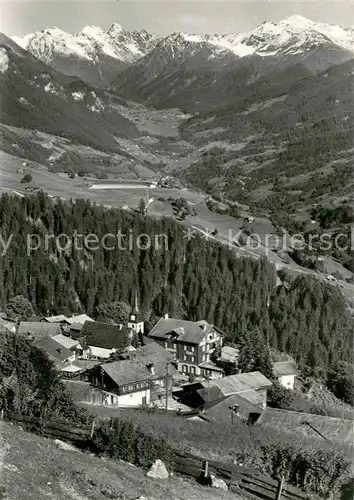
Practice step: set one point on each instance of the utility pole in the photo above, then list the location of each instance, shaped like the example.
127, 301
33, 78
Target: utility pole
166, 394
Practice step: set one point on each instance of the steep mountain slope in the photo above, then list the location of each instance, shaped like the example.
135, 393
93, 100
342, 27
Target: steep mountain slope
197, 71
282, 147
37, 97
95, 55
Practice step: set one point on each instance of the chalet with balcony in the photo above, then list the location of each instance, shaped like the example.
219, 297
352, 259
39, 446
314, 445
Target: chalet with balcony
192, 343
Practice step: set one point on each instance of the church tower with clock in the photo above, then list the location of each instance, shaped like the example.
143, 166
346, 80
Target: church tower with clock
136, 319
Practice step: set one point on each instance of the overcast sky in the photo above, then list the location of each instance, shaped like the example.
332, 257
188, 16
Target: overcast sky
18, 18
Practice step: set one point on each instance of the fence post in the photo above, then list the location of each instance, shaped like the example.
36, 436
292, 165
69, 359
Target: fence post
279, 489
2, 414
92, 428
206, 468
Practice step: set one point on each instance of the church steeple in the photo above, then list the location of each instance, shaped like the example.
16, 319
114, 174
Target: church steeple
136, 319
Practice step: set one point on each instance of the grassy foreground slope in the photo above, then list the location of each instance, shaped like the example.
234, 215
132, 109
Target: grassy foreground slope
32, 467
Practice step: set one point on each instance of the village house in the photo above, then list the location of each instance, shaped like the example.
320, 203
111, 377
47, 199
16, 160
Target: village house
285, 373
103, 339
75, 323
71, 344
61, 319
226, 410
192, 343
35, 330
252, 387
55, 351
144, 376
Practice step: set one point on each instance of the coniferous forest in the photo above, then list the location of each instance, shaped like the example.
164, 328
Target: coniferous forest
190, 279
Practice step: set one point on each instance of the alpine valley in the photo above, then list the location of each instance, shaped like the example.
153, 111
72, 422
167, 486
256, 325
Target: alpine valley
254, 123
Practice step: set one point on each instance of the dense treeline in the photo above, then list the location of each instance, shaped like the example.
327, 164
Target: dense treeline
193, 279
29, 383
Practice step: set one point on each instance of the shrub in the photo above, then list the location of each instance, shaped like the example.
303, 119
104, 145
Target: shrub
26, 178
280, 397
123, 440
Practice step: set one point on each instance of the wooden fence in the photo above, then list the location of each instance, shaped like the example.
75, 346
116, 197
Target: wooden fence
246, 481
243, 480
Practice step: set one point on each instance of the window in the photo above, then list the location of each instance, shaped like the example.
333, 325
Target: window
138, 385
192, 369
203, 357
185, 347
184, 368
193, 348
132, 317
130, 387
184, 357
166, 344
174, 345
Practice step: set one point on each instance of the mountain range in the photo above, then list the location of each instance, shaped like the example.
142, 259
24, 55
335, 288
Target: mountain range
99, 56
265, 118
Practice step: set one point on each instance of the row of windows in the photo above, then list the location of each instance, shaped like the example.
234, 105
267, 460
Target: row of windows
188, 369
132, 387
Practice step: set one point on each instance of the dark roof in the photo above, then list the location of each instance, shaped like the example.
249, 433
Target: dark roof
152, 349
55, 351
242, 382
309, 425
212, 393
105, 335
282, 368
219, 411
136, 369
39, 330
127, 371
192, 332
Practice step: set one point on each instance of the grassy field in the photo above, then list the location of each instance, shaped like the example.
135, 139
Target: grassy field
34, 468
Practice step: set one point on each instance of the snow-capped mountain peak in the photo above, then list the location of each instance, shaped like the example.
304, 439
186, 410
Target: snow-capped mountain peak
119, 48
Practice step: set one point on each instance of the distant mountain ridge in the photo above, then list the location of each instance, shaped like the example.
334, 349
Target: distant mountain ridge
99, 56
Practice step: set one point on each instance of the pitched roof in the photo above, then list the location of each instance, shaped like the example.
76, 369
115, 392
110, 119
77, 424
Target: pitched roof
134, 370
55, 351
127, 371
242, 382
8, 325
306, 424
219, 411
230, 354
156, 355
211, 393
192, 332
39, 330
211, 366
282, 368
105, 335
55, 319
66, 341
80, 318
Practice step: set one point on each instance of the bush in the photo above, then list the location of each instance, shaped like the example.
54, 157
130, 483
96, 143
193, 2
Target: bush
280, 397
26, 178
122, 440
